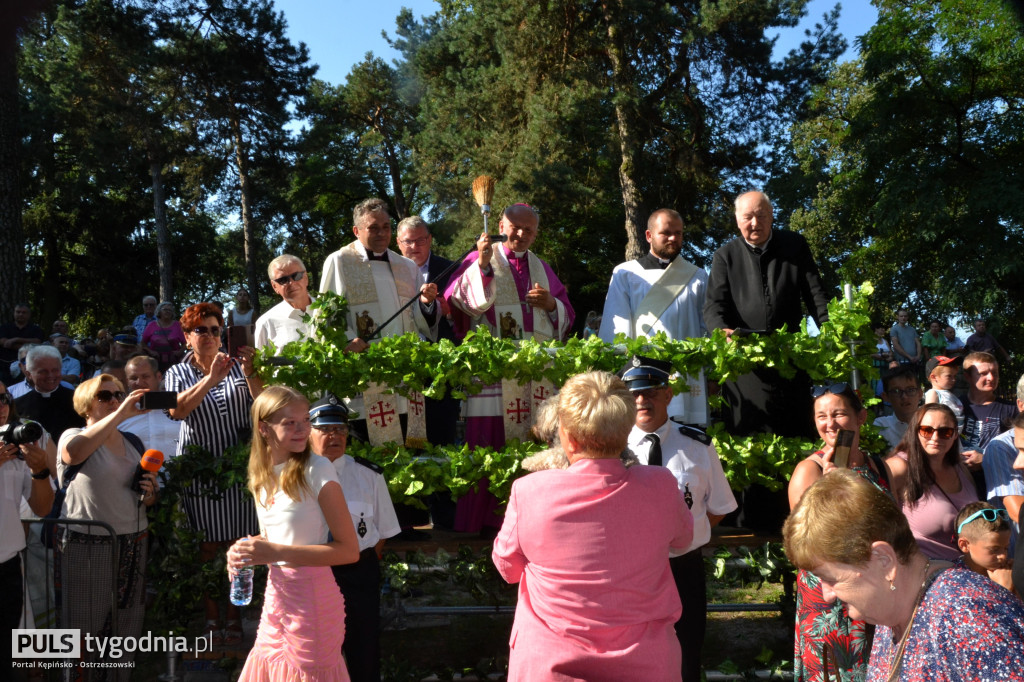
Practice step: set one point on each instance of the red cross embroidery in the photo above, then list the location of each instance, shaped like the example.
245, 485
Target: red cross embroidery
385, 417
517, 412
540, 395
416, 404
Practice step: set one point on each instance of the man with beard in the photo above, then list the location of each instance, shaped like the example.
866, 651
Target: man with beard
661, 292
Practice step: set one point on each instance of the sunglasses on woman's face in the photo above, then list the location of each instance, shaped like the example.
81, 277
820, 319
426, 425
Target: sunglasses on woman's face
203, 331
944, 432
990, 515
107, 396
6, 399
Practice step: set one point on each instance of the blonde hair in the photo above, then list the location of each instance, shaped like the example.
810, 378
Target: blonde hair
597, 411
839, 517
262, 478
86, 392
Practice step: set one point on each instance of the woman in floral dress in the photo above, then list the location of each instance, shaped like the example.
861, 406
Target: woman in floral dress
825, 633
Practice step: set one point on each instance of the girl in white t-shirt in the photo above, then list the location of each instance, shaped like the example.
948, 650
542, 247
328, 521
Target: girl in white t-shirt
305, 529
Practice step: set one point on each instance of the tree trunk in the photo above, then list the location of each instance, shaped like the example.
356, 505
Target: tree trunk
248, 227
163, 237
12, 243
629, 144
395, 170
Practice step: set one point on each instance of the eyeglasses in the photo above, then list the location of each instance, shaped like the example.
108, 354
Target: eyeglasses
6, 399
944, 432
414, 242
900, 392
990, 515
835, 389
107, 396
203, 331
333, 429
294, 277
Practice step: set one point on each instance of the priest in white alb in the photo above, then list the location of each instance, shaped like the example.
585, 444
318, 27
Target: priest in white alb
376, 282
661, 292
508, 289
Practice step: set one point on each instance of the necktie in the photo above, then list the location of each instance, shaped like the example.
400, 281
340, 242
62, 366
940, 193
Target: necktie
654, 454
383, 256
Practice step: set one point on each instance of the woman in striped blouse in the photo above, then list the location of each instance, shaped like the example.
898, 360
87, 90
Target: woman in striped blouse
215, 393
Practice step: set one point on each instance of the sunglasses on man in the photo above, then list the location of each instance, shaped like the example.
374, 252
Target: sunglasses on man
294, 277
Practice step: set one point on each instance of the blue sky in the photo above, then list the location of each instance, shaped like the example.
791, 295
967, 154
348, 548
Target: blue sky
340, 33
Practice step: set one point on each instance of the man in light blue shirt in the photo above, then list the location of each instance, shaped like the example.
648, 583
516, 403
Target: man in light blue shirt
1004, 467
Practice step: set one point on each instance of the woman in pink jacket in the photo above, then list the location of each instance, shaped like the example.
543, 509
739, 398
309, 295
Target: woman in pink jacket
589, 548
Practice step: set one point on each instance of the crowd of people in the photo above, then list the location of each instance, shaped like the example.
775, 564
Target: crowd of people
605, 539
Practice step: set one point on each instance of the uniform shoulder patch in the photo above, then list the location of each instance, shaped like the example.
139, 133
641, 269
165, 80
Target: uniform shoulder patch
695, 433
372, 466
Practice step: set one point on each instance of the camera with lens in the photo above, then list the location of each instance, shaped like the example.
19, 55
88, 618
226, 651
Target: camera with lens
19, 434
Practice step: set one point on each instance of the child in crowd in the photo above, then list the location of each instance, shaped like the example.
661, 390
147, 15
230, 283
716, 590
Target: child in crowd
902, 391
942, 371
983, 535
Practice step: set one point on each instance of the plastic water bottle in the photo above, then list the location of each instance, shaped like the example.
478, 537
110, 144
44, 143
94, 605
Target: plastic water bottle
241, 587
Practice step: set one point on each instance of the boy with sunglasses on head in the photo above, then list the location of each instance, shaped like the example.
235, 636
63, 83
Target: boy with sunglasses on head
983, 535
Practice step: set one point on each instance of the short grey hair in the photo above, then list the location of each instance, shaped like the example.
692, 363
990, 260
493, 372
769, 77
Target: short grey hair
764, 199
283, 261
148, 298
37, 353
366, 207
1020, 389
411, 223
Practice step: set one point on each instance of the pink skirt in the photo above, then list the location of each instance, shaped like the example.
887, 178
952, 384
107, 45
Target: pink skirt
301, 629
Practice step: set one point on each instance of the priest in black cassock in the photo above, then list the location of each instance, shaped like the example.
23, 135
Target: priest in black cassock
48, 403
763, 279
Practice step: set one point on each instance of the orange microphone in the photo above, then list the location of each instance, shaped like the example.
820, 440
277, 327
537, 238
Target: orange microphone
151, 460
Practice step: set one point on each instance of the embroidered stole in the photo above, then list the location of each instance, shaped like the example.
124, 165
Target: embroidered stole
519, 402
673, 280
364, 315
662, 293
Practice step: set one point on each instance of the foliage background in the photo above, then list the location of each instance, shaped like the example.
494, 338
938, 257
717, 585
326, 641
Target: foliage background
180, 145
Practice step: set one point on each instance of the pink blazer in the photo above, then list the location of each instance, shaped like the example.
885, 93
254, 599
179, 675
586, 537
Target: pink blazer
589, 547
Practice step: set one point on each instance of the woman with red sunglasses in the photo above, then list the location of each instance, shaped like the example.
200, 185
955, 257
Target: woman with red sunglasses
930, 481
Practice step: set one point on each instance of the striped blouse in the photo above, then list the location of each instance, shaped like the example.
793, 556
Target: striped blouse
222, 418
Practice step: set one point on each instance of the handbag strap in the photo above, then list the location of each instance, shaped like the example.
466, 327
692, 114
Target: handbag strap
73, 469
